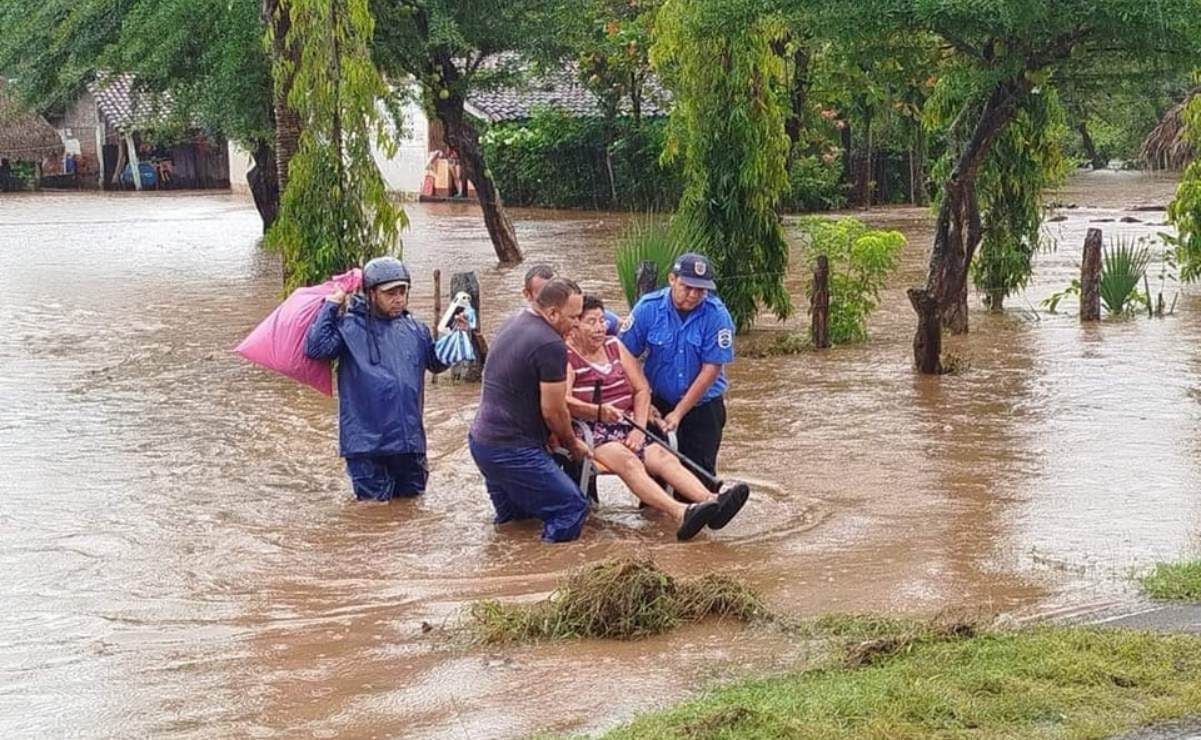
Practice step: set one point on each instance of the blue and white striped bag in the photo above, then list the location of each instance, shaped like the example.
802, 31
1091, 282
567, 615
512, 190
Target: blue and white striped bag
455, 346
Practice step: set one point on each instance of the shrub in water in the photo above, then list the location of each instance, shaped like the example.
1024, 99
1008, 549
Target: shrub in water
623, 599
1122, 268
861, 259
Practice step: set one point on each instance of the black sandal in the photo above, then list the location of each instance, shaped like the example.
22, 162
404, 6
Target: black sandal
730, 502
696, 517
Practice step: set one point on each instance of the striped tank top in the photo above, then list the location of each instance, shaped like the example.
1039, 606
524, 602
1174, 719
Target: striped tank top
615, 386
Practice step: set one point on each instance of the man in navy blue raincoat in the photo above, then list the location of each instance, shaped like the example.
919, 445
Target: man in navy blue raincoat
383, 353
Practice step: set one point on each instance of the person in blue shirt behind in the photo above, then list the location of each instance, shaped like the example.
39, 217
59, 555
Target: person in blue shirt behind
383, 353
687, 336
539, 274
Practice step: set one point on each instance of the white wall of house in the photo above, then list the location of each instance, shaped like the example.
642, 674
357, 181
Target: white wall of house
403, 172
240, 162
406, 169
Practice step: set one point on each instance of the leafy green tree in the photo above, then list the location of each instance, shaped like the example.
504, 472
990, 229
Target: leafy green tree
335, 211
1008, 50
207, 54
611, 46
727, 132
1185, 209
451, 48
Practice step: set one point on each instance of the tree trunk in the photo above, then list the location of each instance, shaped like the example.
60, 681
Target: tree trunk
798, 96
461, 135
1090, 277
263, 179
927, 342
863, 181
958, 228
847, 152
646, 279
287, 121
819, 303
1090, 149
917, 169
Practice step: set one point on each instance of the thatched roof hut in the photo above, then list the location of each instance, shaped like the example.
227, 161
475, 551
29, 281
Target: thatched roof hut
1167, 147
24, 135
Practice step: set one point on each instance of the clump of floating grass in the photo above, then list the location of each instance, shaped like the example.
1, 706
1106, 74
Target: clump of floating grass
622, 599
774, 344
886, 639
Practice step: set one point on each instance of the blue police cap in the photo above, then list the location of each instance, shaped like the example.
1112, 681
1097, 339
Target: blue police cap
694, 270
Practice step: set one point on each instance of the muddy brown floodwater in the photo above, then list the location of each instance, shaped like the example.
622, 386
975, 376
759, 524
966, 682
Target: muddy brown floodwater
181, 554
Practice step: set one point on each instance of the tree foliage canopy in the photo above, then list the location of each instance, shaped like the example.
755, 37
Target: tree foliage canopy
335, 212
208, 54
727, 132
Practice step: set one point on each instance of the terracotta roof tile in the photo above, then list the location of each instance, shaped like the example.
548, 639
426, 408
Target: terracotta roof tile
126, 108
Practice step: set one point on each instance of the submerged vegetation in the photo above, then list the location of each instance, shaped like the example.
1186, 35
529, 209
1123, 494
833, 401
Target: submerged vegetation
1174, 581
861, 260
621, 599
1123, 267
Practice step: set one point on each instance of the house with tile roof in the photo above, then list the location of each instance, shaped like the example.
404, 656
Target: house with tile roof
25, 139
106, 130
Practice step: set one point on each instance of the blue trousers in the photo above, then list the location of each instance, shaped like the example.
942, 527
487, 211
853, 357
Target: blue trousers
385, 477
524, 482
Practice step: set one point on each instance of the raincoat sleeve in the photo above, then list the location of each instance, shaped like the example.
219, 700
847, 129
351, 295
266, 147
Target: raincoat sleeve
432, 363
323, 340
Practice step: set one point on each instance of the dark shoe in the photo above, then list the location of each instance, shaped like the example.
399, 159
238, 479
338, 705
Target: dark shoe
695, 519
729, 503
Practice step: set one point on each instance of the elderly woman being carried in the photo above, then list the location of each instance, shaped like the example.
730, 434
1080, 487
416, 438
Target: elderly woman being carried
596, 360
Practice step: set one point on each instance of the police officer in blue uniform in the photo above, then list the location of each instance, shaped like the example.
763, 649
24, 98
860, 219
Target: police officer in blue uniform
687, 336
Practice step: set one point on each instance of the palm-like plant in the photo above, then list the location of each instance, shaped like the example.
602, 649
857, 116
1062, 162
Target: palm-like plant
651, 238
1123, 265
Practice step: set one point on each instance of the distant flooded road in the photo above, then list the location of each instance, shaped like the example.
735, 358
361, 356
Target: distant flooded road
182, 555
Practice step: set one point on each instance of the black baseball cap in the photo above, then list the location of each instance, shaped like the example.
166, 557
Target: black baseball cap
694, 270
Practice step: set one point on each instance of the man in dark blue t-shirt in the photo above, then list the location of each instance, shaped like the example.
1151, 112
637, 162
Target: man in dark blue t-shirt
525, 397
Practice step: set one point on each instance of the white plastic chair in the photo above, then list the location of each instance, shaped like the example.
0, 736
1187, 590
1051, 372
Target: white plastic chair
590, 468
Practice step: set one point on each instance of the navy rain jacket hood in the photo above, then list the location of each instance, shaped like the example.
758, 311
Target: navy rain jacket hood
381, 376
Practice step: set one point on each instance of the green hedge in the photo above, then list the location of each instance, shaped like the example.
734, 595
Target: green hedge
559, 161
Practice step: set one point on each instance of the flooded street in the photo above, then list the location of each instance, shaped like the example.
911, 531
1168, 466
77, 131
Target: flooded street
182, 555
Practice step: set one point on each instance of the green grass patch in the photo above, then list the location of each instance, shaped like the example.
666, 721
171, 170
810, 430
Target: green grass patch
954, 681
1174, 581
623, 599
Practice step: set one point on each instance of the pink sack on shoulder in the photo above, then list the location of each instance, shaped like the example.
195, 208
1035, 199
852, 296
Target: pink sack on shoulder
278, 342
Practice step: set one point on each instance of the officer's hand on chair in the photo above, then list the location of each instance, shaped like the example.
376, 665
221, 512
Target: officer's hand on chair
671, 422
577, 449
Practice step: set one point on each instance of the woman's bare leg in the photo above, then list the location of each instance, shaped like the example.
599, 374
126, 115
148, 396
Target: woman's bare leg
617, 457
663, 464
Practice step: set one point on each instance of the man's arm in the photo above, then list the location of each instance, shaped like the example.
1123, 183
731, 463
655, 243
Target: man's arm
432, 363
558, 418
323, 341
696, 392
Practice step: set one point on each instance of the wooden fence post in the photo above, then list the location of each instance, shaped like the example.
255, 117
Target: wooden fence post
437, 310
467, 282
819, 303
1090, 277
437, 298
646, 279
